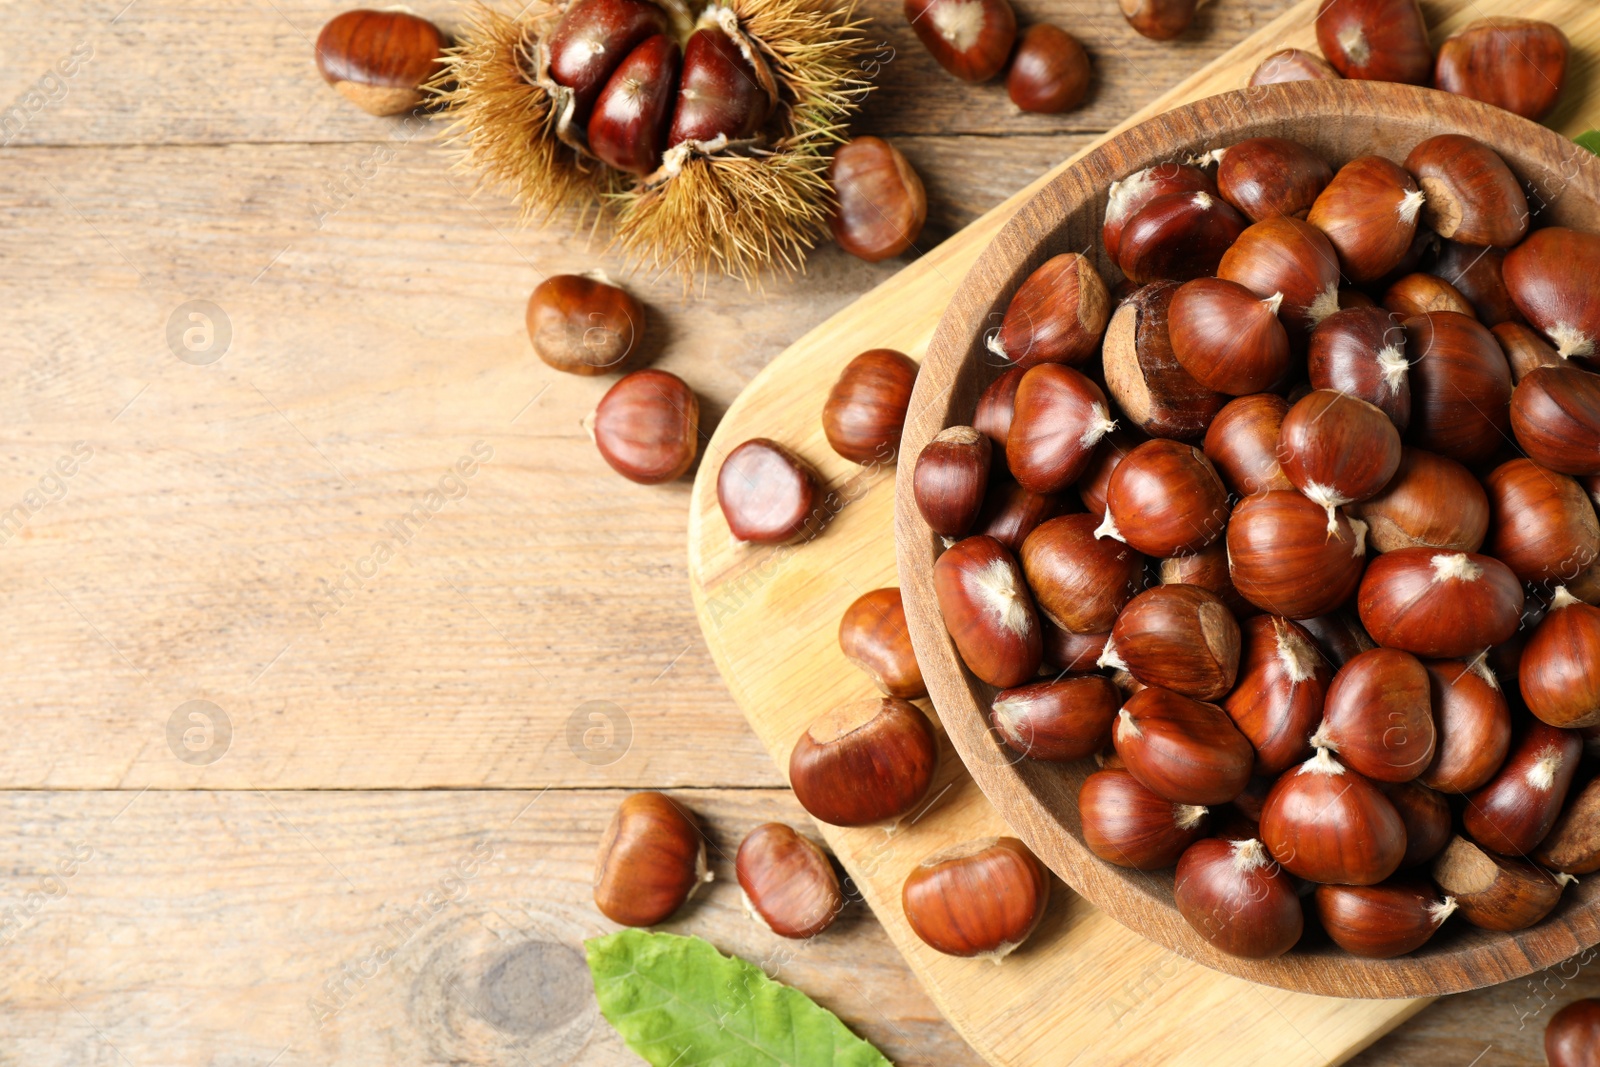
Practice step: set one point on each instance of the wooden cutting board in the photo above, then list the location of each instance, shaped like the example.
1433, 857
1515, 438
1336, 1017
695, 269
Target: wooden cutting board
1084, 990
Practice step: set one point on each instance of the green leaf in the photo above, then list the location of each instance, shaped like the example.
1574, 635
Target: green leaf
678, 1002
1589, 139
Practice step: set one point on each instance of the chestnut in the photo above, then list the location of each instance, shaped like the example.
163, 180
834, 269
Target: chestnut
1126, 824
1234, 895
1431, 502
1443, 605
1057, 316
1143, 375
1550, 278
1160, 20
1560, 671
1378, 716
1572, 1036
1094, 482
873, 636
1242, 443
1165, 499
719, 94
591, 38
1427, 818
1496, 892
1288, 256
1339, 636
863, 762
647, 426
1369, 211
1362, 351
1278, 700
1050, 71
378, 60
1337, 449
1177, 237
1292, 65
1460, 386
1555, 415
1057, 721
1475, 273
988, 612
1377, 40
1473, 724
881, 205
1284, 560
1178, 637
1385, 920
1081, 582
628, 127
1072, 653
866, 408
980, 898
1525, 350
1544, 525
1059, 416
1471, 195
1326, 823
1418, 294
970, 38
788, 881
1516, 64
583, 325
1573, 846
1265, 177
1227, 338
950, 480
1130, 195
996, 407
1516, 810
1184, 750
1010, 513
766, 492
1207, 569
652, 858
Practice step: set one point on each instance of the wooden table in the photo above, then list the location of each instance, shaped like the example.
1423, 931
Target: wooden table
370, 842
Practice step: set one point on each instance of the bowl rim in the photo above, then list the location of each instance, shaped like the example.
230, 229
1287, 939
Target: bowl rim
1028, 794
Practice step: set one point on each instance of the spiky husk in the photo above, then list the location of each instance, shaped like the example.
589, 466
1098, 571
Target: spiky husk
739, 210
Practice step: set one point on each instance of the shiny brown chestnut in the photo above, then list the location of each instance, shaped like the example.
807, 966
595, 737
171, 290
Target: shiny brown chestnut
1277, 702
1265, 177
1369, 213
1362, 351
1555, 415
1293, 65
1525, 350
1178, 637
1059, 417
788, 881
1324, 822
873, 635
1143, 375
767, 493
1227, 338
1160, 20
1550, 276
996, 407
1385, 920
1284, 559
882, 205
583, 325
1516, 810
1288, 256
1572, 1036
1427, 818
970, 38
378, 60
866, 408
1177, 237
1126, 824
1475, 273
1238, 899
951, 479
1512, 63
1460, 386
1544, 526
628, 127
1418, 294
1010, 513
1070, 653
1129, 196
1081, 582
1050, 71
1559, 674
988, 612
647, 426
719, 94
1471, 195
1337, 449
1057, 316
1208, 569
1242, 443
591, 38
651, 860
1496, 892
1431, 502
1573, 845
980, 898
1378, 716
1057, 721
1182, 749
1442, 605
1473, 723
863, 762
1376, 40
1165, 499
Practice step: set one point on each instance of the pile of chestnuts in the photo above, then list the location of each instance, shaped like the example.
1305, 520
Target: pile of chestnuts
1047, 70
1294, 532
1513, 63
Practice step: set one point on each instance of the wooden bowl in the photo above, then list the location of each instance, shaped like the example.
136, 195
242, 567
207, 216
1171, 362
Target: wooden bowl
1341, 120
